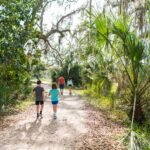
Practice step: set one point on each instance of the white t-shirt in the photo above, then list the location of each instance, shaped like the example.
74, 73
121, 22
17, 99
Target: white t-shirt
69, 82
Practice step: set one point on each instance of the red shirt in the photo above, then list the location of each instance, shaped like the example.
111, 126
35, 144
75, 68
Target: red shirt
61, 80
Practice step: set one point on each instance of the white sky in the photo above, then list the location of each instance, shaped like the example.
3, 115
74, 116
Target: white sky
53, 11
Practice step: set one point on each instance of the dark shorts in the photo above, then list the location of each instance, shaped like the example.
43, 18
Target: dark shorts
61, 86
70, 85
54, 102
39, 102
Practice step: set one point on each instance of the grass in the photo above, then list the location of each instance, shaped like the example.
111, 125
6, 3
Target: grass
142, 132
79, 92
104, 104
21, 105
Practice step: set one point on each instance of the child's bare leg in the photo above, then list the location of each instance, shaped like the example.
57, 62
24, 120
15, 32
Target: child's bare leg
37, 108
42, 107
55, 108
70, 90
61, 91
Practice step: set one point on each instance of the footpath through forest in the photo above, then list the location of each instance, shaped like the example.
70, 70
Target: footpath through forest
79, 126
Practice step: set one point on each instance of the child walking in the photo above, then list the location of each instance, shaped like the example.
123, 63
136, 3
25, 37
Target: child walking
70, 84
39, 98
54, 92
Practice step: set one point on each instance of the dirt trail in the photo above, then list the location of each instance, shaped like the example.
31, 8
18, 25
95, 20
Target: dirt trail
75, 128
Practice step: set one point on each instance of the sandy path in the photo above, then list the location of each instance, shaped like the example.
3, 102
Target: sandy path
47, 133
78, 127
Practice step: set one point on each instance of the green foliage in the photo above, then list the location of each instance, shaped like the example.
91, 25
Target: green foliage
116, 64
55, 74
17, 22
38, 70
116, 52
70, 69
136, 141
74, 73
143, 130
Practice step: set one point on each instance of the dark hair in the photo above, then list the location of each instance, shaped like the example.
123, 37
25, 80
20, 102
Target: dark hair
54, 86
39, 82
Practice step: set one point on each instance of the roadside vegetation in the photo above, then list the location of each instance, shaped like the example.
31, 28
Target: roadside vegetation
107, 55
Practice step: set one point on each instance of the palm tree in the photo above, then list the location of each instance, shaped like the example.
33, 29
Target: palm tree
127, 47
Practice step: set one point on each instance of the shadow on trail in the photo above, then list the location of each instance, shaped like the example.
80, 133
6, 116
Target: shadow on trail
33, 132
70, 98
70, 106
47, 133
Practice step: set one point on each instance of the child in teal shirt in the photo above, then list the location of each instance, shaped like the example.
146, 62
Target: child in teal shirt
54, 98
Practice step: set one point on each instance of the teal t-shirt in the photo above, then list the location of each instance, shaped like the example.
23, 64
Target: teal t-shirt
54, 94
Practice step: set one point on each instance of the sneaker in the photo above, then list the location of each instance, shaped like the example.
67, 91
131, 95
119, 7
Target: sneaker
54, 116
37, 116
41, 115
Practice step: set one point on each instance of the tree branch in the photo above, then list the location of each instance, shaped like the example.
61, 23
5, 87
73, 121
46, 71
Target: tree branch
56, 31
42, 15
60, 58
63, 17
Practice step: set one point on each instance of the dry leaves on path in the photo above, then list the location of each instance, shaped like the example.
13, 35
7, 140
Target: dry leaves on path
103, 134
79, 127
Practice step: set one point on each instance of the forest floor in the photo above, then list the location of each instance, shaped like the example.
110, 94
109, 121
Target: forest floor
79, 126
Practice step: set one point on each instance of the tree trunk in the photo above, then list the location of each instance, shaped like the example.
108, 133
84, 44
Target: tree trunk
139, 116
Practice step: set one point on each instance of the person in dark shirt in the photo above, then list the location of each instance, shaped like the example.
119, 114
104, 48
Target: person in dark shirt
39, 98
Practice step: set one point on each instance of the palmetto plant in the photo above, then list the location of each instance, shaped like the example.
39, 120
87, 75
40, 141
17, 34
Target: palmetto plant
132, 48
117, 38
120, 52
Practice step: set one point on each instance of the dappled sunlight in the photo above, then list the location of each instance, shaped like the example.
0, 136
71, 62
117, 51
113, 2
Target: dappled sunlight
75, 75
46, 131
